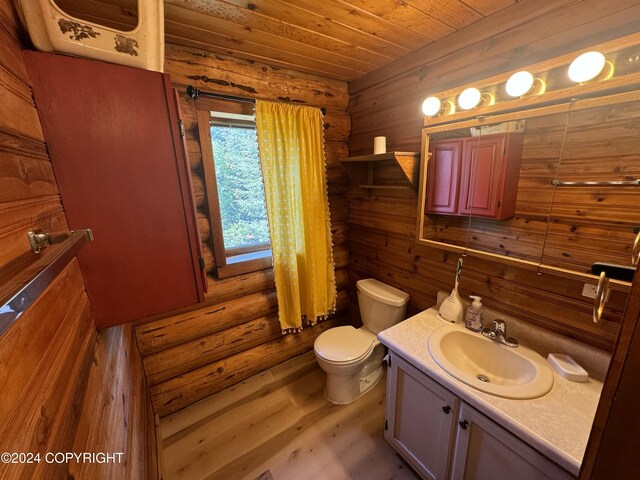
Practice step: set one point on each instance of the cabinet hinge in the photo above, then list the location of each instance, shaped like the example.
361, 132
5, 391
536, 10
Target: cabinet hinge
386, 425
201, 262
181, 127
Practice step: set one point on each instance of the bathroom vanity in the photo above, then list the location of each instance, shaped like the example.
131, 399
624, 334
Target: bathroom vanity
448, 429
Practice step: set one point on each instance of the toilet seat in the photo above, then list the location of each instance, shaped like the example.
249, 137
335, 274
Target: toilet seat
345, 345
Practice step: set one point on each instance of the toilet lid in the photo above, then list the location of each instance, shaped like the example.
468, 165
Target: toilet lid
343, 344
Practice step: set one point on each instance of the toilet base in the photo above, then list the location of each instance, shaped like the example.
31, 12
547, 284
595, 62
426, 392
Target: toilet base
341, 391
344, 389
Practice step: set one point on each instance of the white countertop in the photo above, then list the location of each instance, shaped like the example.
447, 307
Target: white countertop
557, 424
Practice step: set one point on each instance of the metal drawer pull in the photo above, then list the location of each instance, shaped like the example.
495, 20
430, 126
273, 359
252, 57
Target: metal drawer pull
601, 295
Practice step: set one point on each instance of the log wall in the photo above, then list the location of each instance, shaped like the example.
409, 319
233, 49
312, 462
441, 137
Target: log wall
198, 351
65, 386
387, 102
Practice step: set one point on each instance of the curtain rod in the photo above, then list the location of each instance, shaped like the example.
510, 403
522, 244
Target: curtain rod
194, 93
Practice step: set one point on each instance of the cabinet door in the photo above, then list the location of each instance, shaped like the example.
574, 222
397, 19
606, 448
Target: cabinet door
442, 177
482, 175
484, 451
420, 419
110, 131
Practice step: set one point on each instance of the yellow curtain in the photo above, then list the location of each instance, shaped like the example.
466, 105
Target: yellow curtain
290, 141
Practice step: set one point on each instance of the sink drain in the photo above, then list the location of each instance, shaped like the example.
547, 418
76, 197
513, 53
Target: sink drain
483, 378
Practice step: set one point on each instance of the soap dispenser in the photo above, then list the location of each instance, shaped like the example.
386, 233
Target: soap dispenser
473, 320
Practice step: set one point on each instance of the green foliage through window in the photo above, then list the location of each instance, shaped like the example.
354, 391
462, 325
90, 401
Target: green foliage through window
240, 188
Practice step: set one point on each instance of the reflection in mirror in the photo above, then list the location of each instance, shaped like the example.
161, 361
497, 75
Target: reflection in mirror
512, 186
505, 184
595, 222
444, 221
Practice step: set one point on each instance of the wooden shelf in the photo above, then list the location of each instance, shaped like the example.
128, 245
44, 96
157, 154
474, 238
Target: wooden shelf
391, 170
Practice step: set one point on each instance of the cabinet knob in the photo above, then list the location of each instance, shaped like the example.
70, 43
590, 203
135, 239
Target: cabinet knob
446, 409
463, 424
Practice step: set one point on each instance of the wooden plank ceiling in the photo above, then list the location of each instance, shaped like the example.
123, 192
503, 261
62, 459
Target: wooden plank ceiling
340, 39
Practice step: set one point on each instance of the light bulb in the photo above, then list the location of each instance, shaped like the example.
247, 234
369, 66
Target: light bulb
469, 98
519, 84
431, 106
586, 67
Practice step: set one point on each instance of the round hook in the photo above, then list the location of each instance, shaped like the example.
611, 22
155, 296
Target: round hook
601, 294
635, 251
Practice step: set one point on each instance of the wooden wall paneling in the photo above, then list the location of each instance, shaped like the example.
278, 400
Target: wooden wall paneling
233, 76
386, 102
46, 377
177, 393
174, 361
233, 318
611, 451
170, 361
513, 38
125, 425
172, 331
390, 253
48, 370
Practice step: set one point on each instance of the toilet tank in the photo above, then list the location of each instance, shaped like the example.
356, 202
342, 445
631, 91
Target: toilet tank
381, 305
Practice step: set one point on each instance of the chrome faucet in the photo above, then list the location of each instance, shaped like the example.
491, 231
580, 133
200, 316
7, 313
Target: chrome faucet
499, 334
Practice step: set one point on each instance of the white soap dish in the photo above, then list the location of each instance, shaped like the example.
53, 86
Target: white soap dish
567, 367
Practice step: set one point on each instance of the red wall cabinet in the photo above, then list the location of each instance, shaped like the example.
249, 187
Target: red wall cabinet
443, 172
477, 176
117, 154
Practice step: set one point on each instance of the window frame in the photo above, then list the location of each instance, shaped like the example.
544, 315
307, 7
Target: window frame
233, 261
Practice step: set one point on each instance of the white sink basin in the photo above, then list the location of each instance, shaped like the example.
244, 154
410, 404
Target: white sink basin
486, 365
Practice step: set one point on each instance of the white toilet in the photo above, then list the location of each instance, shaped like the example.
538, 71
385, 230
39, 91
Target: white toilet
352, 358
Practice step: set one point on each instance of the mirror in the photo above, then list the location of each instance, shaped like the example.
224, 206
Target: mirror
444, 221
596, 200
510, 208
507, 164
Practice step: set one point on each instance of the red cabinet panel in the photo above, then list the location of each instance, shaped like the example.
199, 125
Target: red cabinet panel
113, 138
482, 171
486, 179
443, 172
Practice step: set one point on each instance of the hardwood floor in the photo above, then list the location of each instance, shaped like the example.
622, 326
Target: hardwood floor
278, 425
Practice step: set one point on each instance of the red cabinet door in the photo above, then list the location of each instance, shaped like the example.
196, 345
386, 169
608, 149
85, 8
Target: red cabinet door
482, 175
442, 177
111, 133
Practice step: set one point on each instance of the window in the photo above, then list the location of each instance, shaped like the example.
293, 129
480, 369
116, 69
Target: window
235, 192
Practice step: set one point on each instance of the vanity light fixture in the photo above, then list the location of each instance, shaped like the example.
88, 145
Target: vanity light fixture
469, 98
523, 83
432, 106
588, 66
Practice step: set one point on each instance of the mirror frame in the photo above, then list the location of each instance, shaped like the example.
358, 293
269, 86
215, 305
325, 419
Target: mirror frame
592, 94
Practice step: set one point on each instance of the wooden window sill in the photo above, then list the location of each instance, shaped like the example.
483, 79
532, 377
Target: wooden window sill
245, 263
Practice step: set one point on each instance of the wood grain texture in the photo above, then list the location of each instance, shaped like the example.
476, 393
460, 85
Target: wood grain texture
610, 452
587, 224
278, 425
386, 102
179, 392
239, 315
65, 386
335, 38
